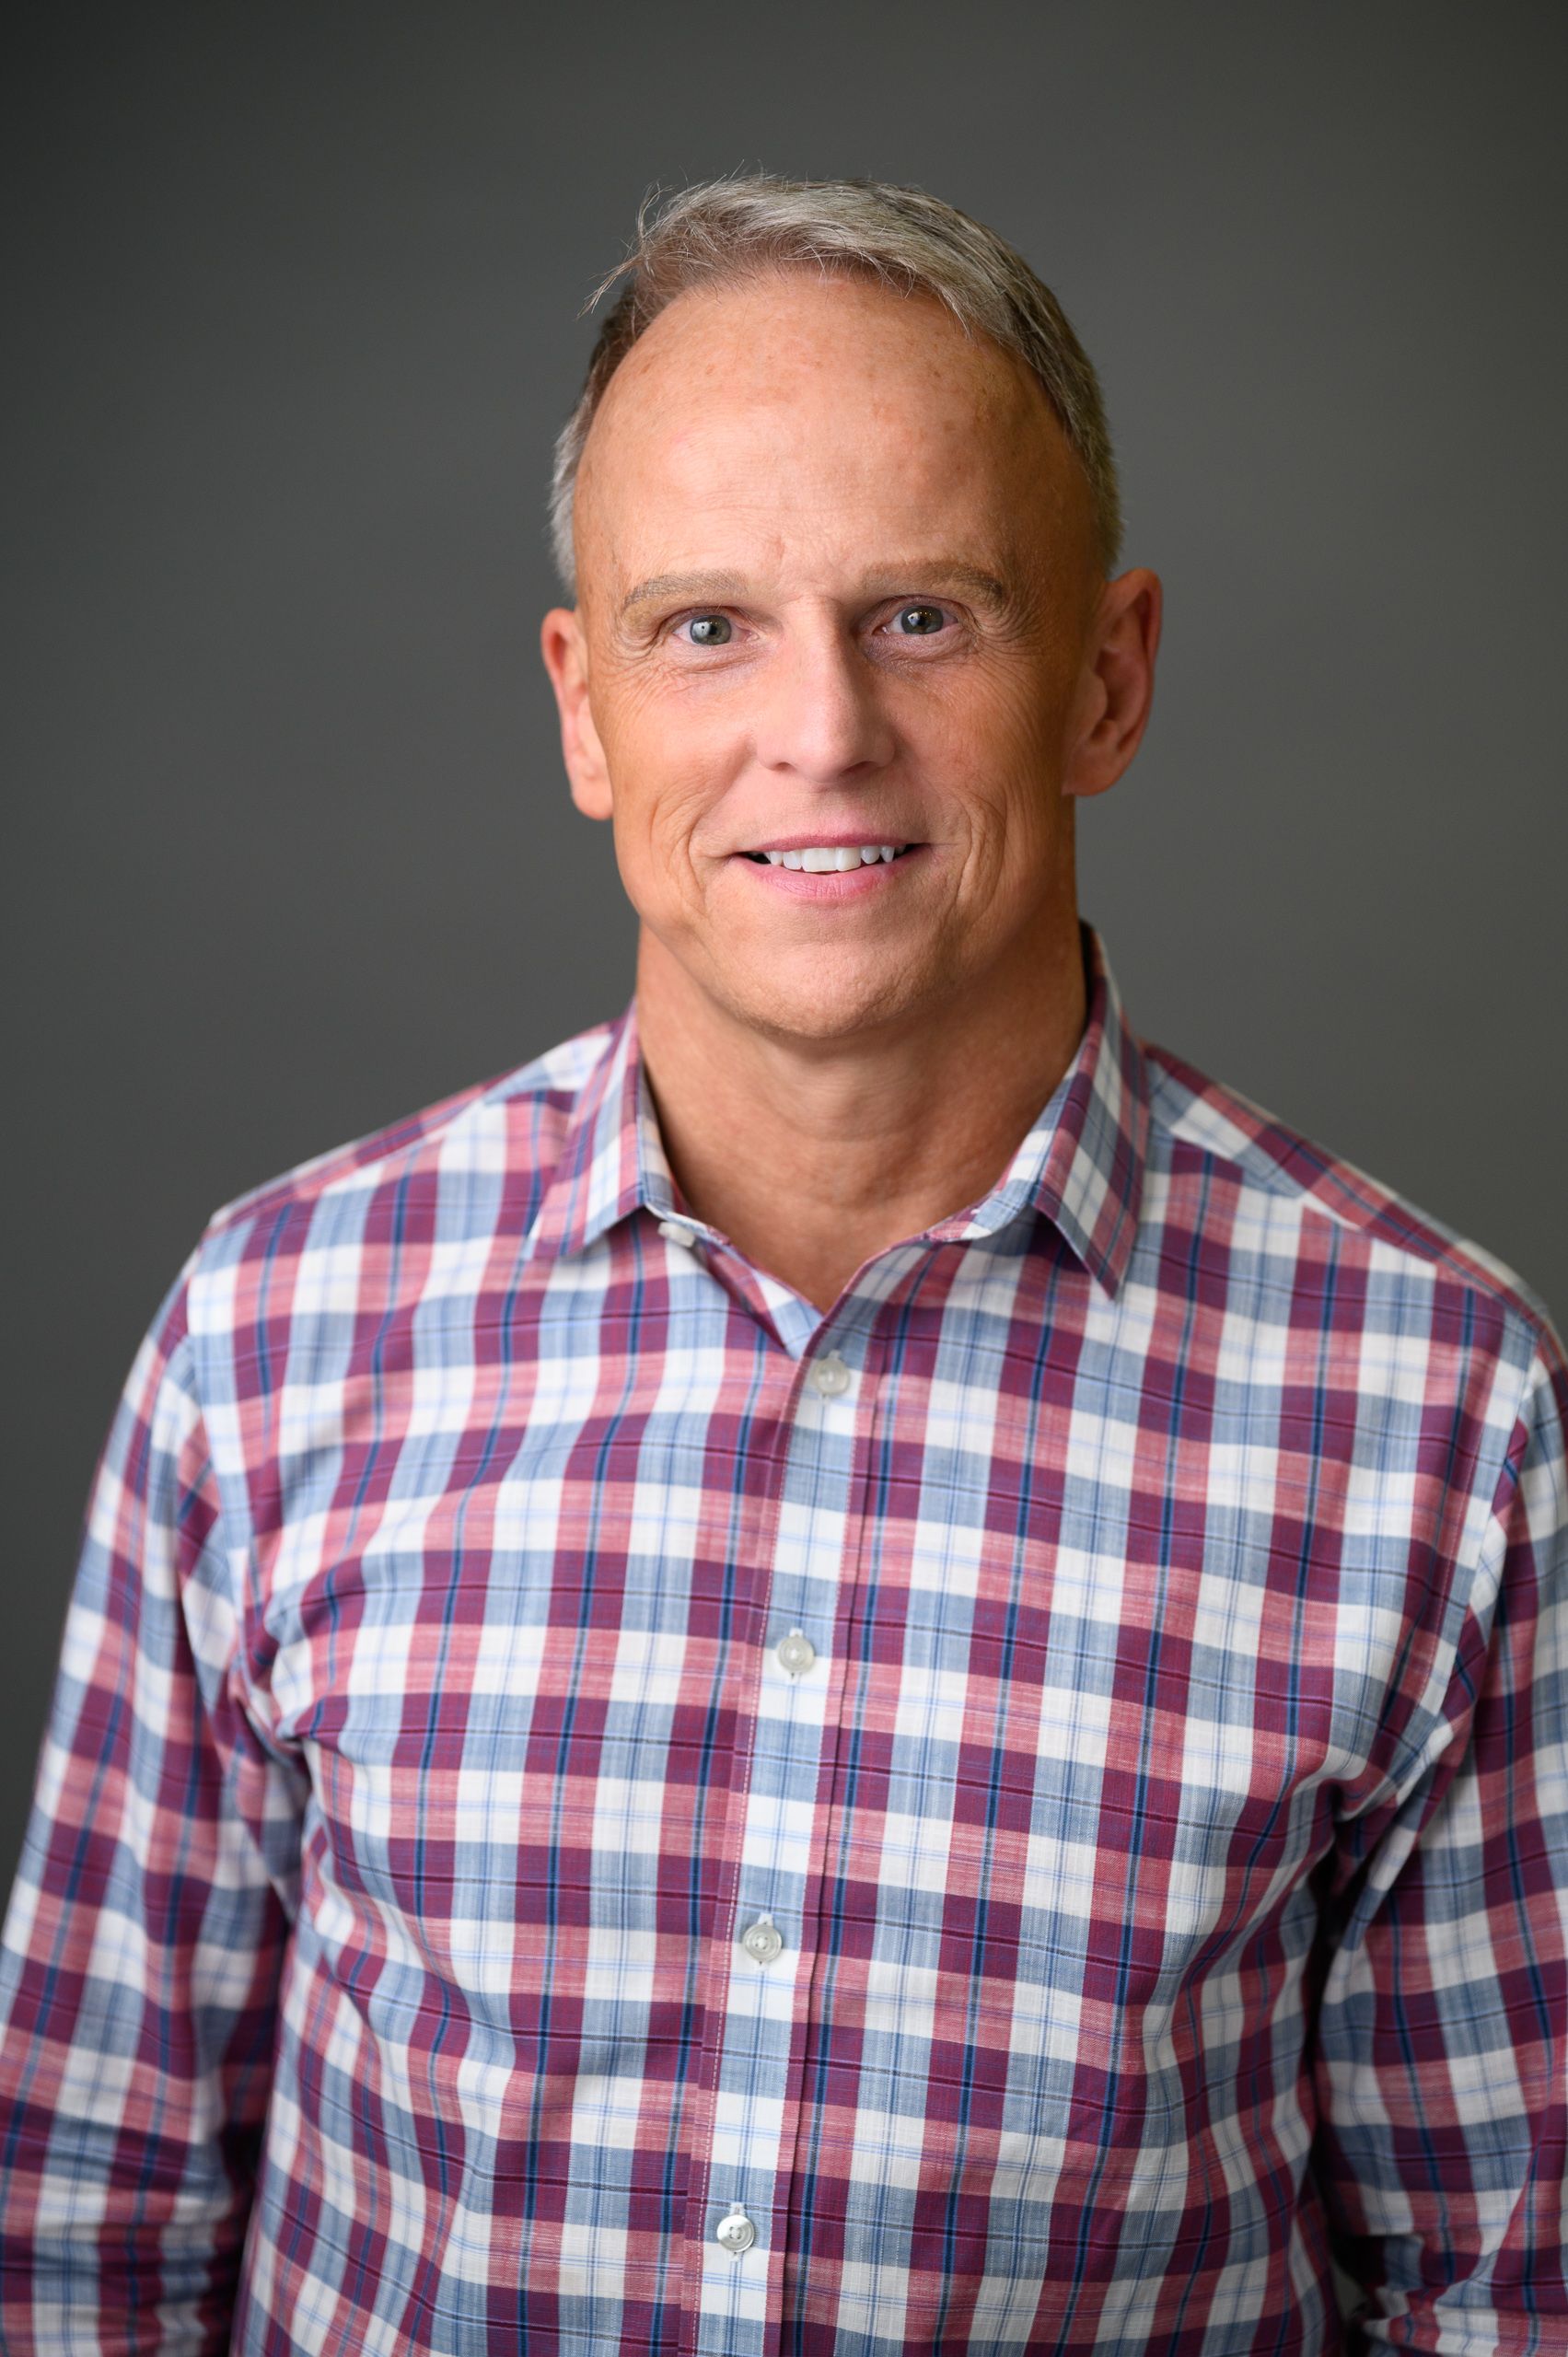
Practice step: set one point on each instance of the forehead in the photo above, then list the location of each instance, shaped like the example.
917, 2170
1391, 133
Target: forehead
795, 405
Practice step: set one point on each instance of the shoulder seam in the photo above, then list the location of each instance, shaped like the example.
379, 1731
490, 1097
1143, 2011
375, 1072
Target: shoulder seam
1434, 1251
378, 1150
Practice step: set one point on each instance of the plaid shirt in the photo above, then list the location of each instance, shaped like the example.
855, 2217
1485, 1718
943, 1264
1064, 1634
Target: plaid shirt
590, 1806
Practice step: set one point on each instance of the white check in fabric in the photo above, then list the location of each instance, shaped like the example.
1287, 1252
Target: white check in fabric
565, 1828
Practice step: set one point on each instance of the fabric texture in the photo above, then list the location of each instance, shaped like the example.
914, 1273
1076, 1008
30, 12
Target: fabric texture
1160, 1801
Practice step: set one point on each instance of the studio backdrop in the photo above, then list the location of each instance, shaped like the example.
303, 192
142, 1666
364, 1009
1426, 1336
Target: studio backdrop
294, 300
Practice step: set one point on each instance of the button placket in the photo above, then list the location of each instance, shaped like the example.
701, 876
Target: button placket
816, 1542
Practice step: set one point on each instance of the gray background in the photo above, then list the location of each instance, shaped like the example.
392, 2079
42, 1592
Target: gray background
291, 295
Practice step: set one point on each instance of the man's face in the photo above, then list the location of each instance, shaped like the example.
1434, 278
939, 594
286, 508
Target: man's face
836, 595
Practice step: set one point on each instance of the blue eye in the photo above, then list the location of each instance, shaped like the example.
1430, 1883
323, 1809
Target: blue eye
708, 630
919, 622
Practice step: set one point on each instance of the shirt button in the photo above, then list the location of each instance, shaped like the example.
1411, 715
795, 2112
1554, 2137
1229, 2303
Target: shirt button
762, 1940
829, 1376
676, 1233
795, 1653
737, 2232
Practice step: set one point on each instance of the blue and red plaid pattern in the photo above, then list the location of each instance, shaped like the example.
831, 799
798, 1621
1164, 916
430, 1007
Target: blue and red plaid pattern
1153, 1833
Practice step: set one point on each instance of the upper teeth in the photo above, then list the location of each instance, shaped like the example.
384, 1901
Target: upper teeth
822, 859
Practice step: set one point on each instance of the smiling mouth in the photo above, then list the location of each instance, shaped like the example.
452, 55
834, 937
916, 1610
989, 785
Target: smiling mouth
829, 859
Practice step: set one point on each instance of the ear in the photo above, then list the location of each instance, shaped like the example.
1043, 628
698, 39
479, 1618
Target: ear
1117, 686
565, 651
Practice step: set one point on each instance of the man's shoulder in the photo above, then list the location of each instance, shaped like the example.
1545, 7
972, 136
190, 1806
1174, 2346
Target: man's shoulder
510, 1127
1290, 1181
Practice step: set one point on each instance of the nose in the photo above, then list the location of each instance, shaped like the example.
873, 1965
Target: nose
820, 716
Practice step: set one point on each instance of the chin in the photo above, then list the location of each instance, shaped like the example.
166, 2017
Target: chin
828, 1008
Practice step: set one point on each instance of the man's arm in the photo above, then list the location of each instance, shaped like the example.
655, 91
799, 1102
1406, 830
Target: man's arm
1443, 2055
140, 1958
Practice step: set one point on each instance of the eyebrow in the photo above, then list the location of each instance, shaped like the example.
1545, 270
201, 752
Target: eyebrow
932, 572
717, 585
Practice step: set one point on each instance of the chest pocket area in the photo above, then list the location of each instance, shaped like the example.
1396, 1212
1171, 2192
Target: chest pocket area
483, 1772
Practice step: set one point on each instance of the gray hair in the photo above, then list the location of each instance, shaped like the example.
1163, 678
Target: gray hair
739, 227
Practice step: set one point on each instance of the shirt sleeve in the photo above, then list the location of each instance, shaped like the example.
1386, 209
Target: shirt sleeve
140, 1952
1443, 2037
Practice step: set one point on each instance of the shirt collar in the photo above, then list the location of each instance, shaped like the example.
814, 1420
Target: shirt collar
1080, 1167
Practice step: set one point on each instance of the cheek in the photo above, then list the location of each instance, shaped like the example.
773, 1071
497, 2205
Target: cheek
671, 754
648, 749
653, 726
990, 741
665, 782
1020, 841
987, 716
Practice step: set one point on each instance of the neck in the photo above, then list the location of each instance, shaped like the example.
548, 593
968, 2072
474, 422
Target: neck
813, 1155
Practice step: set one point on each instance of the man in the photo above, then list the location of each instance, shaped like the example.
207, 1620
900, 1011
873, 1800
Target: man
855, 1667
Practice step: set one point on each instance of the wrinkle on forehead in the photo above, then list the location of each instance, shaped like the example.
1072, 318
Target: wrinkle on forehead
895, 407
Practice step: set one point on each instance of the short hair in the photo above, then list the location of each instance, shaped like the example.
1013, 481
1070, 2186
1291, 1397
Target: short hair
745, 224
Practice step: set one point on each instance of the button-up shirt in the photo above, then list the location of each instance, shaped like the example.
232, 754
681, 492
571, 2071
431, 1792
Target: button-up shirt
591, 1805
